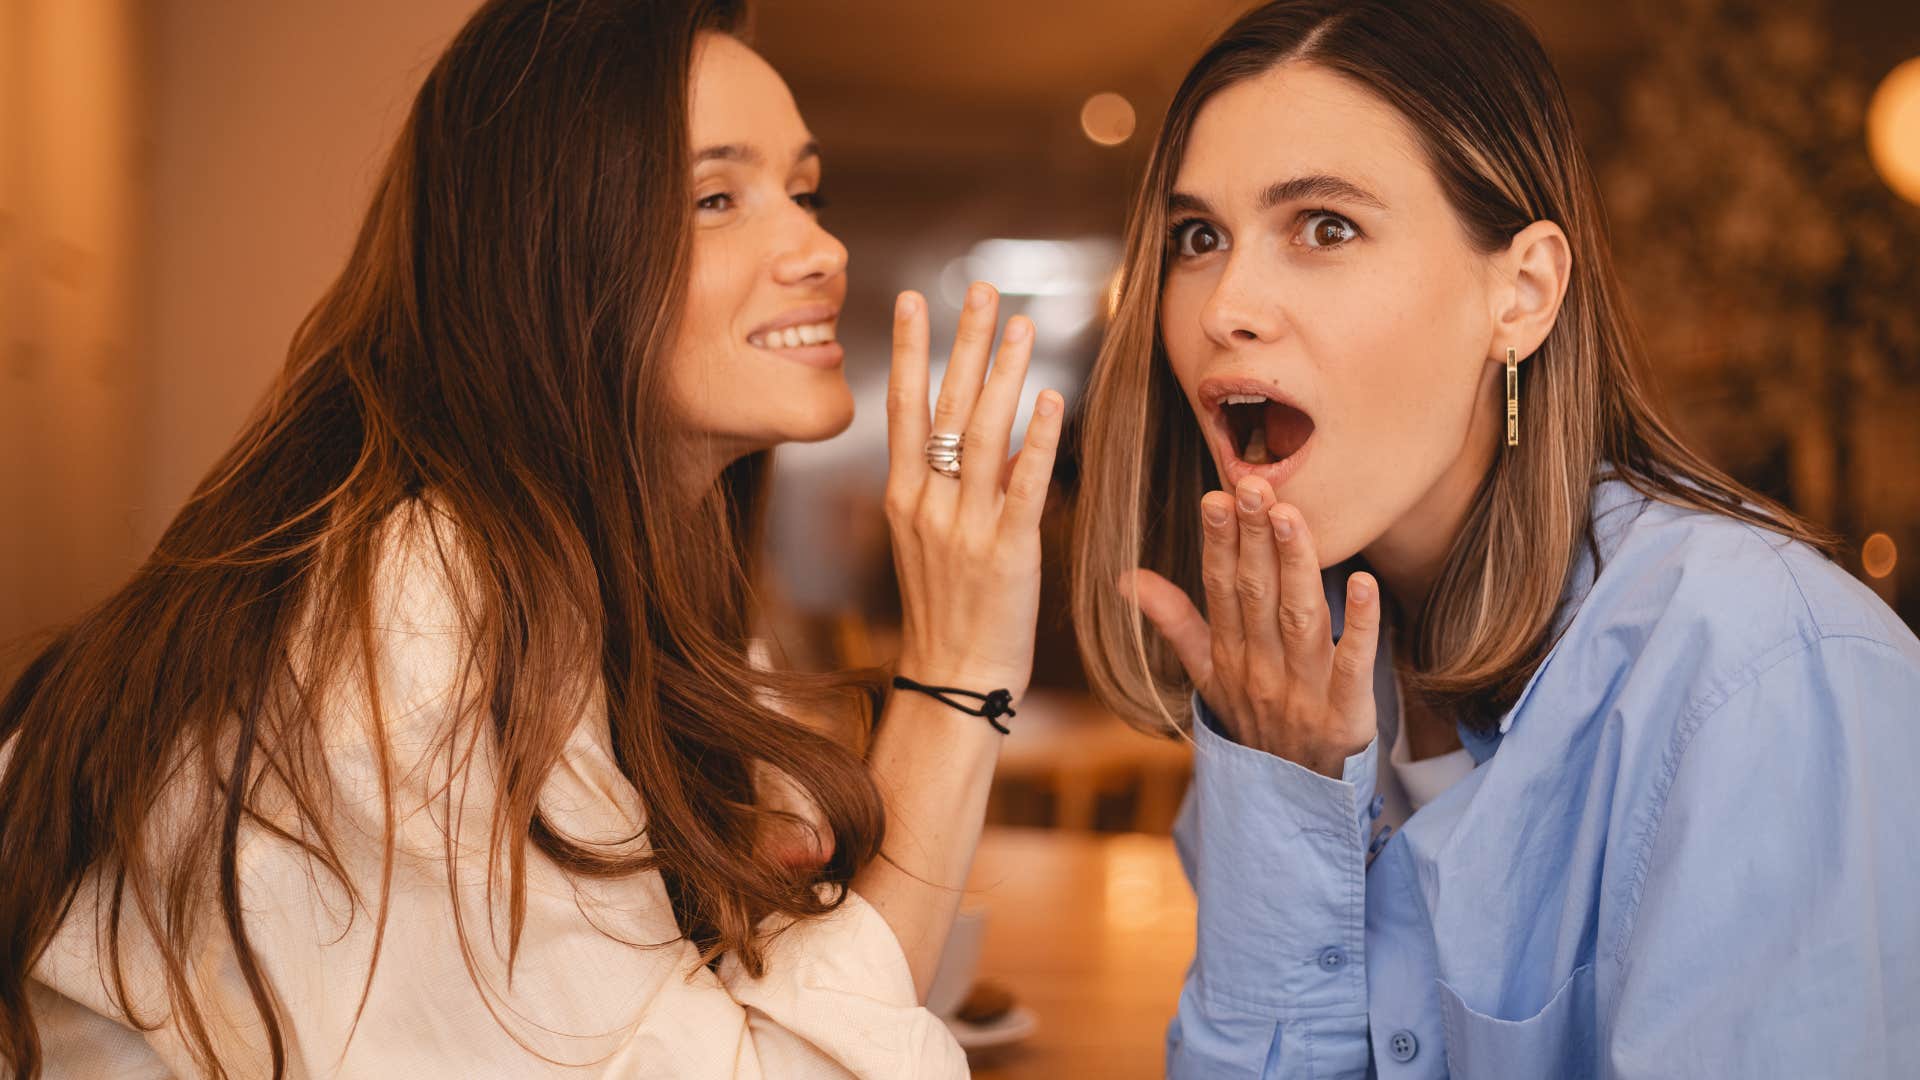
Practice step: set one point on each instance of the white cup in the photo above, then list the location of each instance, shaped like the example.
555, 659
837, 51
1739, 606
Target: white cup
953, 979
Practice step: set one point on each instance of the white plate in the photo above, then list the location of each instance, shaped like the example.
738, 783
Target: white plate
1018, 1023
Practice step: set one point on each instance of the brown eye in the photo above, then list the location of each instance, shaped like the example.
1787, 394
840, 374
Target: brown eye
1194, 238
1328, 230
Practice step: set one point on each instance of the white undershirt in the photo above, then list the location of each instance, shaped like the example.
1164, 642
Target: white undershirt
1406, 785
1425, 779
1401, 784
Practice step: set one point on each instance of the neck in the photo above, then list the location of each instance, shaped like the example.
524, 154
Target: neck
1408, 556
703, 458
1430, 730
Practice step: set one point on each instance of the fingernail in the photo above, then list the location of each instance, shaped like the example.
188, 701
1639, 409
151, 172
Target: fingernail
977, 295
1213, 512
1018, 329
1249, 498
1282, 527
1047, 403
906, 306
1361, 590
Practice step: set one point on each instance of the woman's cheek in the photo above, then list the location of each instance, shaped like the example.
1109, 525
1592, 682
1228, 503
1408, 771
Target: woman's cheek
1183, 346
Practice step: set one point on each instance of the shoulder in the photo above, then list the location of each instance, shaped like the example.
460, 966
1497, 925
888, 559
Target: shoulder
421, 573
1714, 601
1714, 667
1697, 618
388, 626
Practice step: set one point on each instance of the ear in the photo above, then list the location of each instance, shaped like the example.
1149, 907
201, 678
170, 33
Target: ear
1533, 274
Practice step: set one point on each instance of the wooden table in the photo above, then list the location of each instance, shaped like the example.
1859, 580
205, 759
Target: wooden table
1093, 933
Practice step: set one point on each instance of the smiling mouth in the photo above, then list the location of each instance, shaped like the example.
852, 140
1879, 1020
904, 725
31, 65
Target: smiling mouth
794, 337
1261, 431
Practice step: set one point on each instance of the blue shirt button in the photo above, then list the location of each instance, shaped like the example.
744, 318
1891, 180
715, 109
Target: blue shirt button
1403, 1046
1332, 958
1378, 804
1379, 839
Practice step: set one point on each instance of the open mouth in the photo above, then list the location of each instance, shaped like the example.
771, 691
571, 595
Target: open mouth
1261, 431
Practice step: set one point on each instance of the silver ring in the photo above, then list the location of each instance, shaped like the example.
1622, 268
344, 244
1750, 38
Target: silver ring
943, 453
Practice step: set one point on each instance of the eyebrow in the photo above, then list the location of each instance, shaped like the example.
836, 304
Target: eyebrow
1297, 189
750, 155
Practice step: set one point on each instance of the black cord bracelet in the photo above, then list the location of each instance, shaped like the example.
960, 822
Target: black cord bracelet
993, 705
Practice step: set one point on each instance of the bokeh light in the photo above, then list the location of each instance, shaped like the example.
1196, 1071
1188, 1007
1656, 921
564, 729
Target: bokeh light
1893, 130
1107, 119
1878, 555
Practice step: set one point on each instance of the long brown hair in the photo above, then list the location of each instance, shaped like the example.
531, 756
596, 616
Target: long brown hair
1475, 85
493, 351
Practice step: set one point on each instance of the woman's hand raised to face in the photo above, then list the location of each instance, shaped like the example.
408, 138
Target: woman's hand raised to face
1263, 658
967, 549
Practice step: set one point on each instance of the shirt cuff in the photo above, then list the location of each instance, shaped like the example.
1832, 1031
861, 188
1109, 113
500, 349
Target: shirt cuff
1300, 796
839, 986
1279, 871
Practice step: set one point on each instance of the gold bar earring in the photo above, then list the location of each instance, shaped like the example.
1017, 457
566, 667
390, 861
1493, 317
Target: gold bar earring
1513, 399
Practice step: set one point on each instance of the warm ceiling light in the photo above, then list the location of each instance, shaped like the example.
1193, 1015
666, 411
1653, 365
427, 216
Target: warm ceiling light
1107, 119
1878, 555
1893, 130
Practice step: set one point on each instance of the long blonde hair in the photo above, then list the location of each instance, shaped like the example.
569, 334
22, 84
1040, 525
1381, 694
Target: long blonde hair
1475, 85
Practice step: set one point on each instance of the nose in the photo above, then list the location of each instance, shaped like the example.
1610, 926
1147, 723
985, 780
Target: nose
1243, 308
814, 256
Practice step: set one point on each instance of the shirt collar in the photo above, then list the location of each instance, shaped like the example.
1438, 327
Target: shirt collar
1614, 507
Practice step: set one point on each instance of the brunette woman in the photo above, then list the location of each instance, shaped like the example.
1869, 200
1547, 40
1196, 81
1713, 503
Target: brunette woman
426, 743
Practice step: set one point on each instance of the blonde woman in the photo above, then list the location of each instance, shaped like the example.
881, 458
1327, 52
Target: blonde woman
1528, 743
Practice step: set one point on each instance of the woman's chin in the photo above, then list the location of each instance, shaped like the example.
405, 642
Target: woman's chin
810, 428
830, 416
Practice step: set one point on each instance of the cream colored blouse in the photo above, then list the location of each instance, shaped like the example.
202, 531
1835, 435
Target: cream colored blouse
601, 986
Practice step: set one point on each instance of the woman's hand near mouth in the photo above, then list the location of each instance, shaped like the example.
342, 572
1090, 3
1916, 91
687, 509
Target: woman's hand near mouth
967, 552
1263, 658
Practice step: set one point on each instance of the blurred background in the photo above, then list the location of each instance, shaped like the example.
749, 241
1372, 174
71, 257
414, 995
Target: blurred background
179, 179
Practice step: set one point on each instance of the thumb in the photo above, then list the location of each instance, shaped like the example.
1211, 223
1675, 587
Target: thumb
1172, 613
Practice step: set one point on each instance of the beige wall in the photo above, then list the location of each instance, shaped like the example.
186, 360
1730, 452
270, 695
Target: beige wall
178, 182
270, 121
70, 372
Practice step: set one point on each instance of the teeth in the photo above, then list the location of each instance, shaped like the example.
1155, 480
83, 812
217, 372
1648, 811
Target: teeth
793, 337
1256, 451
1243, 399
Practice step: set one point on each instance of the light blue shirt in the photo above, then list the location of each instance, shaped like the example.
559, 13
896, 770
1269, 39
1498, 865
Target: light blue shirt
1689, 851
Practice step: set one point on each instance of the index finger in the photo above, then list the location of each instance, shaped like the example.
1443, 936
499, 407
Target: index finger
1220, 567
1306, 630
907, 419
